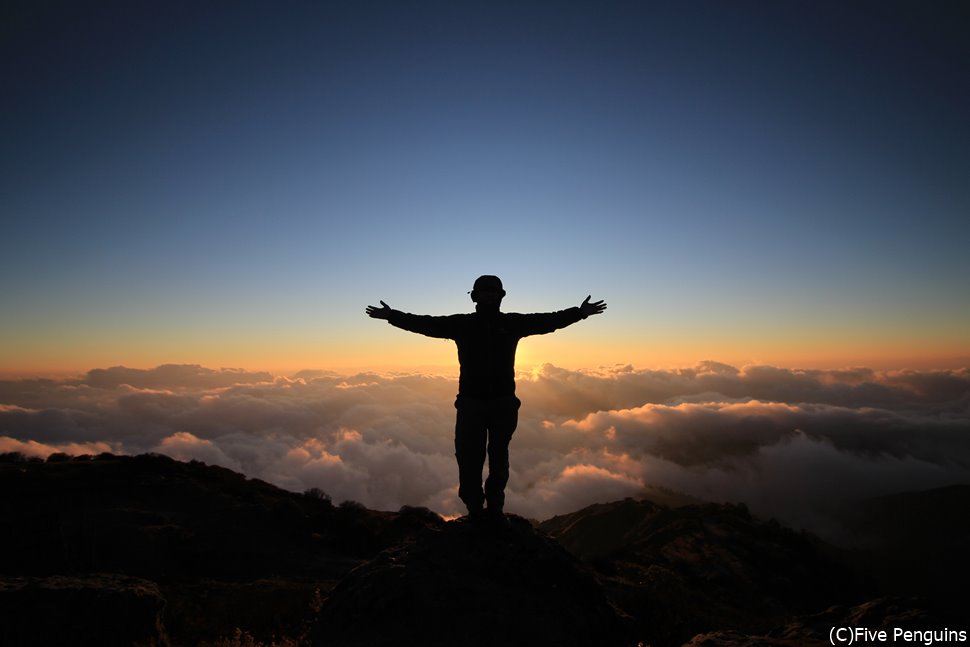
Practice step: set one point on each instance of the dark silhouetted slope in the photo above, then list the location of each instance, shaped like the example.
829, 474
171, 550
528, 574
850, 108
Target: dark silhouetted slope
101, 610
225, 550
187, 552
695, 568
156, 517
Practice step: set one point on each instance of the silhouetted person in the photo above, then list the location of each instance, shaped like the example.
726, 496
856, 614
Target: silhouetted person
488, 410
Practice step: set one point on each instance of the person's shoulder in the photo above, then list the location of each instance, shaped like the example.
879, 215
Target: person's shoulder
454, 317
519, 319
458, 319
522, 316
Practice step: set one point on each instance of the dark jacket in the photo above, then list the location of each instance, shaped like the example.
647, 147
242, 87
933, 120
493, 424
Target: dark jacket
486, 343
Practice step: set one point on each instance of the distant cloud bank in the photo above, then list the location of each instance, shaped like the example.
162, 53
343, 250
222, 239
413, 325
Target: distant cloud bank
791, 444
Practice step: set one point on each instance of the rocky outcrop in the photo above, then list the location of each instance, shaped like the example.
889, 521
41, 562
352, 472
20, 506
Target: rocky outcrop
100, 610
882, 614
462, 585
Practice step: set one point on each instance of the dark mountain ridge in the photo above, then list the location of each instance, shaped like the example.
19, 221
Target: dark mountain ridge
188, 552
223, 550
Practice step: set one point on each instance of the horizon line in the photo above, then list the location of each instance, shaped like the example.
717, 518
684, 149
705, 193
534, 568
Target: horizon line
452, 370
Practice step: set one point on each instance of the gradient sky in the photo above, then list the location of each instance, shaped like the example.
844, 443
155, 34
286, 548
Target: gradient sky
230, 184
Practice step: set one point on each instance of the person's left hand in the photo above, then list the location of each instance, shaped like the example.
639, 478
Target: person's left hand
595, 308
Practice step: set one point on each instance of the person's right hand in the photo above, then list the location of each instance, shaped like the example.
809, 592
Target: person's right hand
379, 313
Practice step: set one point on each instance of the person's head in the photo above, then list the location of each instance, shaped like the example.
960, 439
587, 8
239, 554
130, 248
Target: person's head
487, 290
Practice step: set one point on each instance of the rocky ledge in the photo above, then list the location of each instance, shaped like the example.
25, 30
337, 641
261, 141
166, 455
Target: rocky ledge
465, 585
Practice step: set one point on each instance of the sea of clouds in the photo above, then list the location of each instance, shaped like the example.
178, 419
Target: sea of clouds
798, 445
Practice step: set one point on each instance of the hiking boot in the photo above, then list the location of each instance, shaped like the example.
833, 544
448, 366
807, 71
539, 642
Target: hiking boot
476, 517
497, 519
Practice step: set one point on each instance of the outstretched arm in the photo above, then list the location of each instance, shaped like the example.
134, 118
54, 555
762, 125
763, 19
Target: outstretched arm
379, 313
587, 308
444, 327
546, 322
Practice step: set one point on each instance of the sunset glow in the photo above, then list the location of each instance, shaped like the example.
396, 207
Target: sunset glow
747, 184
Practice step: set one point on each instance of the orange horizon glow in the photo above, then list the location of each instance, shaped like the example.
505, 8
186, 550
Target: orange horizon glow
445, 362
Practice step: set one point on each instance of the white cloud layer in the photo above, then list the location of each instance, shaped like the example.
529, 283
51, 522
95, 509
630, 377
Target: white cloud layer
791, 444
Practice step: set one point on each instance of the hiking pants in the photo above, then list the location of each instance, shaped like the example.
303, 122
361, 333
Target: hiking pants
484, 426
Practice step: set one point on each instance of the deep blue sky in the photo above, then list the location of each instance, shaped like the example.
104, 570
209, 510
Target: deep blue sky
231, 183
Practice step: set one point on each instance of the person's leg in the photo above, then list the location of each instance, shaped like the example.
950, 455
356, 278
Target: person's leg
502, 420
470, 439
